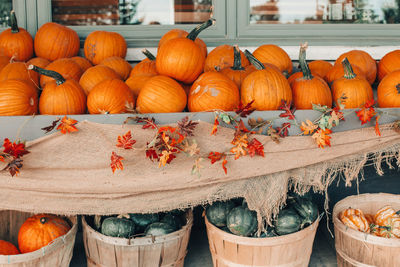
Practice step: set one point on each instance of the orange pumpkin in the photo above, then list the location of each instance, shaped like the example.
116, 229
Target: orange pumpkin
320, 67
100, 45
19, 70
337, 72
82, 62
145, 67
4, 60
110, 96
222, 57
161, 94
181, 58
38, 61
389, 63
266, 86
17, 97
355, 90
137, 82
7, 248
54, 41
363, 60
96, 74
355, 219
213, 91
39, 230
64, 66
274, 55
179, 33
119, 65
389, 90
16, 42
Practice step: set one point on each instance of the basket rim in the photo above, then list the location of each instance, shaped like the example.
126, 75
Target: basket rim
145, 240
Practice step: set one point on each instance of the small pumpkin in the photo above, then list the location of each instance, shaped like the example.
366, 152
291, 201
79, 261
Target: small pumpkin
39, 230
395, 226
20, 71
143, 220
94, 75
64, 66
320, 67
38, 61
363, 60
118, 227
337, 72
388, 91
82, 62
17, 97
218, 211
158, 229
7, 248
100, 45
274, 55
222, 57
288, 221
136, 83
4, 60
388, 64
16, 42
145, 67
53, 41
355, 219
119, 65
178, 33
242, 221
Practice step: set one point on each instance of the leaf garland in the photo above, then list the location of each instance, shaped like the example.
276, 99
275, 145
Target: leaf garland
12, 154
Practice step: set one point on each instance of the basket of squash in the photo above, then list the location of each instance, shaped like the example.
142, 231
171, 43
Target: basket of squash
367, 230
135, 240
28, 240
234, 239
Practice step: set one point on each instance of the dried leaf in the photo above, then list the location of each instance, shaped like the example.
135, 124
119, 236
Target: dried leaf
322, 137
288, 109
126, 141
308, 128
367, 112
67, 125
116, 162
186, 126
151, 154
224, 162
51, 127
244, 111
215, 156
14, 166
1, 158
320, 108
377, 130
241, 128
283, 130
240, 144
165, 158
197, 167
149, 123
274, 134
255, 148
334, 118
191, 149
215, 127
14, 149
228, 119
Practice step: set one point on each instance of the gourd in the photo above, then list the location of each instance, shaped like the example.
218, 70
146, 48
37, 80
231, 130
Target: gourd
388, 91
94, 75
287, 221
172, 220
64, 66
274, 55
363, 60
17, 97
383, 215
100, 45
388, 64
242, 221
118, 227
355, 219
158, 229
143, 220
7, 248
218, 211
222, 57
119, 65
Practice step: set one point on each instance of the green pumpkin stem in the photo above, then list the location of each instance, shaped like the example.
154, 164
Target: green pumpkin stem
43, 220
303, 63
55, 75
196, 31
255, 62
148, 54
13, 22
348, 70
237, 60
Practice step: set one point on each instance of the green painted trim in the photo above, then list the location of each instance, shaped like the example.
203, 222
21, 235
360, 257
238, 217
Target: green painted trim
20, 12
31, 16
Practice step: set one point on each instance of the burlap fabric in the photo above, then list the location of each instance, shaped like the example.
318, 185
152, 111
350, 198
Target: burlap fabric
71, 174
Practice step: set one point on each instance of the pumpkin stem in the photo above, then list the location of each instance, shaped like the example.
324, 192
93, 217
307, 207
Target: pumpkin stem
237, 60
43, 220
398, 91
255, 62
55, 75
348, 70
196, 31
148, 54
303, 63
13, 22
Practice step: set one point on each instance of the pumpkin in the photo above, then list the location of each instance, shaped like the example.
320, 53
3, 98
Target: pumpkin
388, 63
94, 75
309, 89
161, 94
62, 96
17, 97
172, 220
383, 215
242, 221
355, 219
355, 90
306, 209
237, 72
178, 33
16, 42
266, 86
181, 58
110, 96
218, 211
388, 91
19, 70
64, 66
136, 83
337, 72
4, 60
287, 221
119, 65
143, 220
82, 62
7, 248
320, 67
145, 67
118, 227
54, 41
363, 60
39, 230
274, 55
213, 90
100, 45
158, 229
222, 57
38, 61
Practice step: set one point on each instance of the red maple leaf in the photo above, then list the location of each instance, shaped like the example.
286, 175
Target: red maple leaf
255, 148
14, 149
1, 158
367, 112
215, 156
215, 127
288, 109
369, 103
151, 154
116, 162
67, 125
377, 130
244, 111
283, 130
241, 128
126, 141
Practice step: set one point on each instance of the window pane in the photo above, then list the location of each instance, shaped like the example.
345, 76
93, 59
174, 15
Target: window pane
130, 12
324, 11
5, 8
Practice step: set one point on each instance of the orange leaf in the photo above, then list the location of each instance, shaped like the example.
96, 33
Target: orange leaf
241, 144
1, 158
67, 125
255, 148
366, 113
215, 127
166, 129
224, 165
215, 156
377, 130
322, 137
126, 141
164, 158
308, 128
116, 162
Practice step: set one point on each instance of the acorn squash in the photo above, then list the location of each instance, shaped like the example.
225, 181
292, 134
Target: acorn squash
288, 221
242, 221
118, 227
217, 212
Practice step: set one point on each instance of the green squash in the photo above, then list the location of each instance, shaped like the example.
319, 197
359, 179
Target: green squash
288, 221
143, 220
118, 227
217, 212
172, 220
269, 232
306, 209
242, 221
226, 229
158, 229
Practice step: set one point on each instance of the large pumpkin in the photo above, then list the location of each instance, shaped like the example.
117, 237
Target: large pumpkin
39, 230
389, 63
4, 60
54, 41
181, 58
82, 62
16, 42
274, 55
7, 248
389, 90
337, 72
38, 61
94, 75
110, 96
137, 82
19, 70
320, 67
222, 57
119, 65
101, 44
213, 90
17, 97
363, 60
266, 86
64, 66
161, 94
145, 67
178, 33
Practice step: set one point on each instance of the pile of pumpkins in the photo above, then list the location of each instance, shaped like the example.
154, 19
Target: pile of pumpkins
36, 232
235, 217
183, 76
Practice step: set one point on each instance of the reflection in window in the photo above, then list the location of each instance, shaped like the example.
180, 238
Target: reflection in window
5, 8
324, 11
130, 12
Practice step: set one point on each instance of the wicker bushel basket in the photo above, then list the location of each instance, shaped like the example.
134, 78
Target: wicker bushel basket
354, 248
57, 253
293, 250
166, 251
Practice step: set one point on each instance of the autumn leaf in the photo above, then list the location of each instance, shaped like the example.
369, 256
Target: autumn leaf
149, 123
283, 130
367, 112
190, 149
241, 128
288, 109
369, 103
224, 162
186, 126
255, 148
51, 127
197, 167
318, 107
116, 162
1, 158
165, 158
67, 125
334, 118
240, 144
151, 154
215, 156
14, 166
308, 128
377, 130
215, 127
274, 134
14, 149
322, 137
126, 141
244, 111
